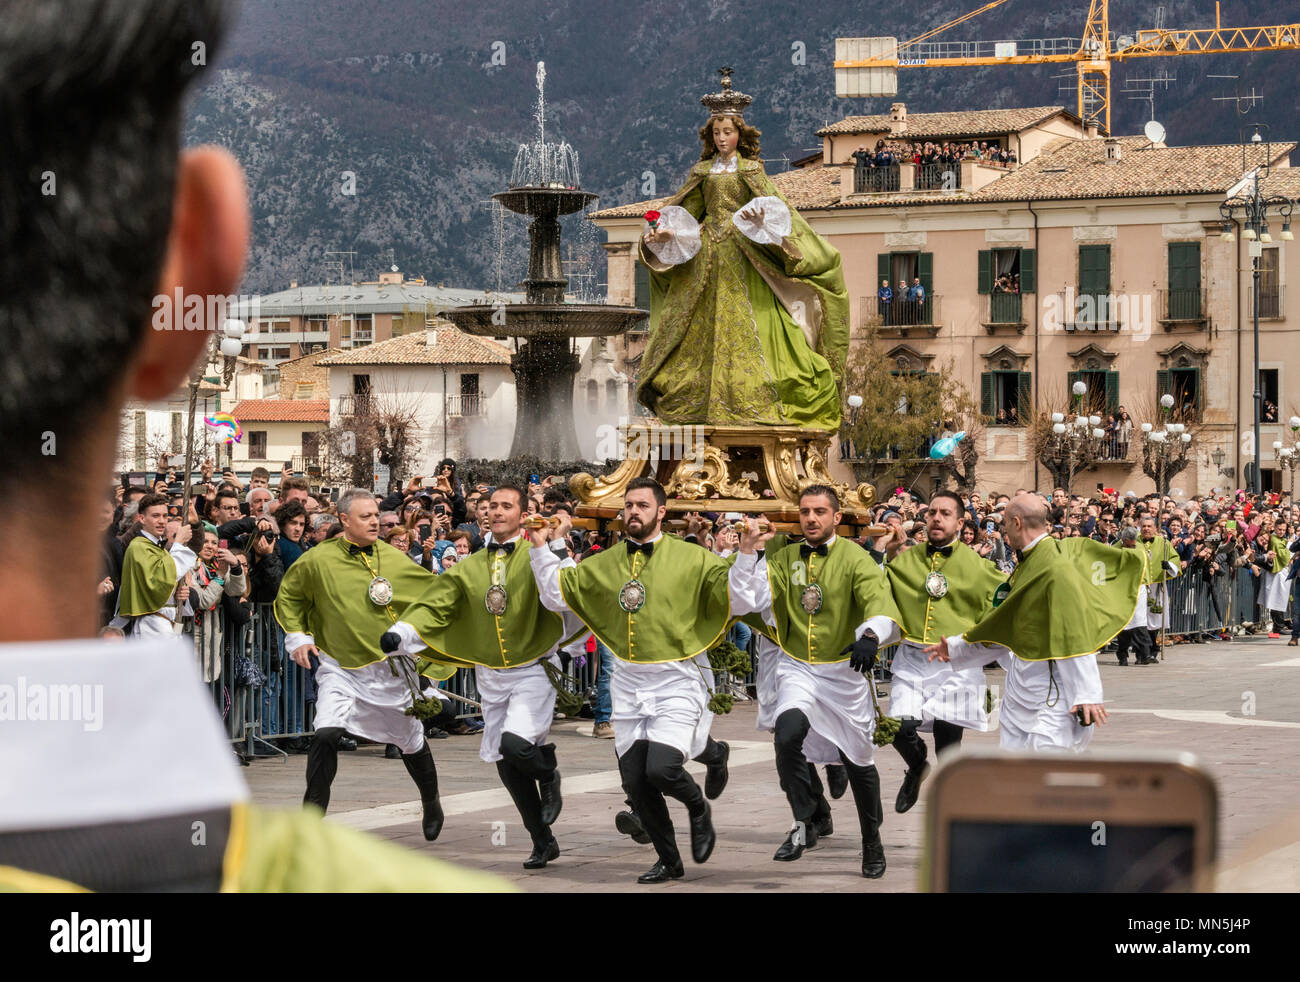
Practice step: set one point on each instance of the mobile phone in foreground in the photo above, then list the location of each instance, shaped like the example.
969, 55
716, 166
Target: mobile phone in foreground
1099, 823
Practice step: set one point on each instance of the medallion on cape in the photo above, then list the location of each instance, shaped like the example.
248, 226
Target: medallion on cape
970, 584
853, 589
686, 608
453, 618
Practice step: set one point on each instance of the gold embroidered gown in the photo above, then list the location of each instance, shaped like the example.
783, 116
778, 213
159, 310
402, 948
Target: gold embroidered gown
745, 332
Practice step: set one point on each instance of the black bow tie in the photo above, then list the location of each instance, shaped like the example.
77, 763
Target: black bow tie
806, 550
945, 551
507, 547
1020, 556
635, 547
368, 550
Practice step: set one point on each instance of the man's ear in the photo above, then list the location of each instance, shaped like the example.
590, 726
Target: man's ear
206, 248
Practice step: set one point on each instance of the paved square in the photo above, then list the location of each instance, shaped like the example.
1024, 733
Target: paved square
1235, 705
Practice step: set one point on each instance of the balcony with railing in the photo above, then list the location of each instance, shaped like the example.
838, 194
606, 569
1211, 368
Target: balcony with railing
467, 404
939, 177
1272, 303
875, 180
1185, 306
901, 317
1004, 310
1088, 311
358, 404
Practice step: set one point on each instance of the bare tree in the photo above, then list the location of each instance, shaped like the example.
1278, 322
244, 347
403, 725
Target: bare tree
1164, 454
1067, 454
386, 426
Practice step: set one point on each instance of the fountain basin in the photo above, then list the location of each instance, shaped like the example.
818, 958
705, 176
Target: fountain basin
544, 200
535, 320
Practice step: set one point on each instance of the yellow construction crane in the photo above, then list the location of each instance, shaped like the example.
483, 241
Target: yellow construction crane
869, 66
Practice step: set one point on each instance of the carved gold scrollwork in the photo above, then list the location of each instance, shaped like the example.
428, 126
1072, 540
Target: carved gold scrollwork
706, 471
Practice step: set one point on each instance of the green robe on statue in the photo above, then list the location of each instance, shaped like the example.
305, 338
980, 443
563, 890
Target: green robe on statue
324, 594
723, 346
148, 578
1067, 598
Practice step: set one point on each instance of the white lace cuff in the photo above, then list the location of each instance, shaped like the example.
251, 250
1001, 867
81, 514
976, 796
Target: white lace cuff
684, 244
775, 225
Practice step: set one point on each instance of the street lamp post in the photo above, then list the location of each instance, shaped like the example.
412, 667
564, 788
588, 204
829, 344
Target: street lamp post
1161, 447
1076, 440
1253, 208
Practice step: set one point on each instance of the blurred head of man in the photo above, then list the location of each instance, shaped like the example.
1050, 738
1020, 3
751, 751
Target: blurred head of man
388, 521
506, 511
943, 518
224, 508
321, 525
1147, 527
1026, 520
295, 489
819, 513
1128, 538
359, 514
153, 514
644, 507
260, 478
257, 502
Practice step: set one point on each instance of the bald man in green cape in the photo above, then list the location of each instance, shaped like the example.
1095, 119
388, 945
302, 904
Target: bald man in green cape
1067, 599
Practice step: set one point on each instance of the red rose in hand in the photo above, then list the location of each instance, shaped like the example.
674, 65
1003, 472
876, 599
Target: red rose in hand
653, 218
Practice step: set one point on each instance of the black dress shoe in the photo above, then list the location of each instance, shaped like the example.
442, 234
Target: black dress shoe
541, 855
702, 836
392, 752
802, 836
873, 860
837, 781
715, 778
431, 823
910, 789
659, 873
1124, 662
347, 743
551, 801
629, 824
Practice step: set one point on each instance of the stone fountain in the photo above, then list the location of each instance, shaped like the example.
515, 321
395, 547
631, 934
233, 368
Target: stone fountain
544, 185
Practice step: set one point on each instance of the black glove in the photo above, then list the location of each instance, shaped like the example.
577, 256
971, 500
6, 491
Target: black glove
389, 642
862, 653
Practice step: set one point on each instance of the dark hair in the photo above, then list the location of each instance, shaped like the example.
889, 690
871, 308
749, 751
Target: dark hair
520, 493
555, 496
113, 74
953, 496
151, 499
291, 510
294, 484
824, 489
260, 472
215, 501
644, 483
448, 463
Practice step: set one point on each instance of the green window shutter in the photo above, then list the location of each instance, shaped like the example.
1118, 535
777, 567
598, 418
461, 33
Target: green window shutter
1199, 392
1024, 395
1163, 383
925, 270
988, 393
984, 271
1094, 269
883, 269
1112, 392
642, 280
1184, 280
1028, 271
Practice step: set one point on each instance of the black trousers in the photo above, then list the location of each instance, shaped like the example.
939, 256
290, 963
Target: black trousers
911, 747
650, 771
1153, 642
523, 765
802, 787
323, 764
710, 755
1139, 638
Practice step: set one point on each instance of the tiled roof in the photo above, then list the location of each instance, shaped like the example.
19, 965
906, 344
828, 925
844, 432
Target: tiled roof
1070, 169
453, 347
366, 298
282, 411
1078, 169
929, 125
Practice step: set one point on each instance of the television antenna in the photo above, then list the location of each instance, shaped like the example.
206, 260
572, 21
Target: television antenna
1249, 99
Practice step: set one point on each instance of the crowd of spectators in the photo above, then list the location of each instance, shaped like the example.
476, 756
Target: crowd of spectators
888, 153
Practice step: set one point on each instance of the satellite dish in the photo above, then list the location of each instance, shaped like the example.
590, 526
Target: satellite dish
1154, 132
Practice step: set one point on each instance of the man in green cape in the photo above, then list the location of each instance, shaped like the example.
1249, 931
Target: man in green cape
659, 604
156, 560
334, 603
1066, 600
156, 788
941, 588
485, 612
1163, 565
821, 598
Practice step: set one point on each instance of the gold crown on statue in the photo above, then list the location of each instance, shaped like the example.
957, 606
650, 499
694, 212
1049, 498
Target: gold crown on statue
726, 102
